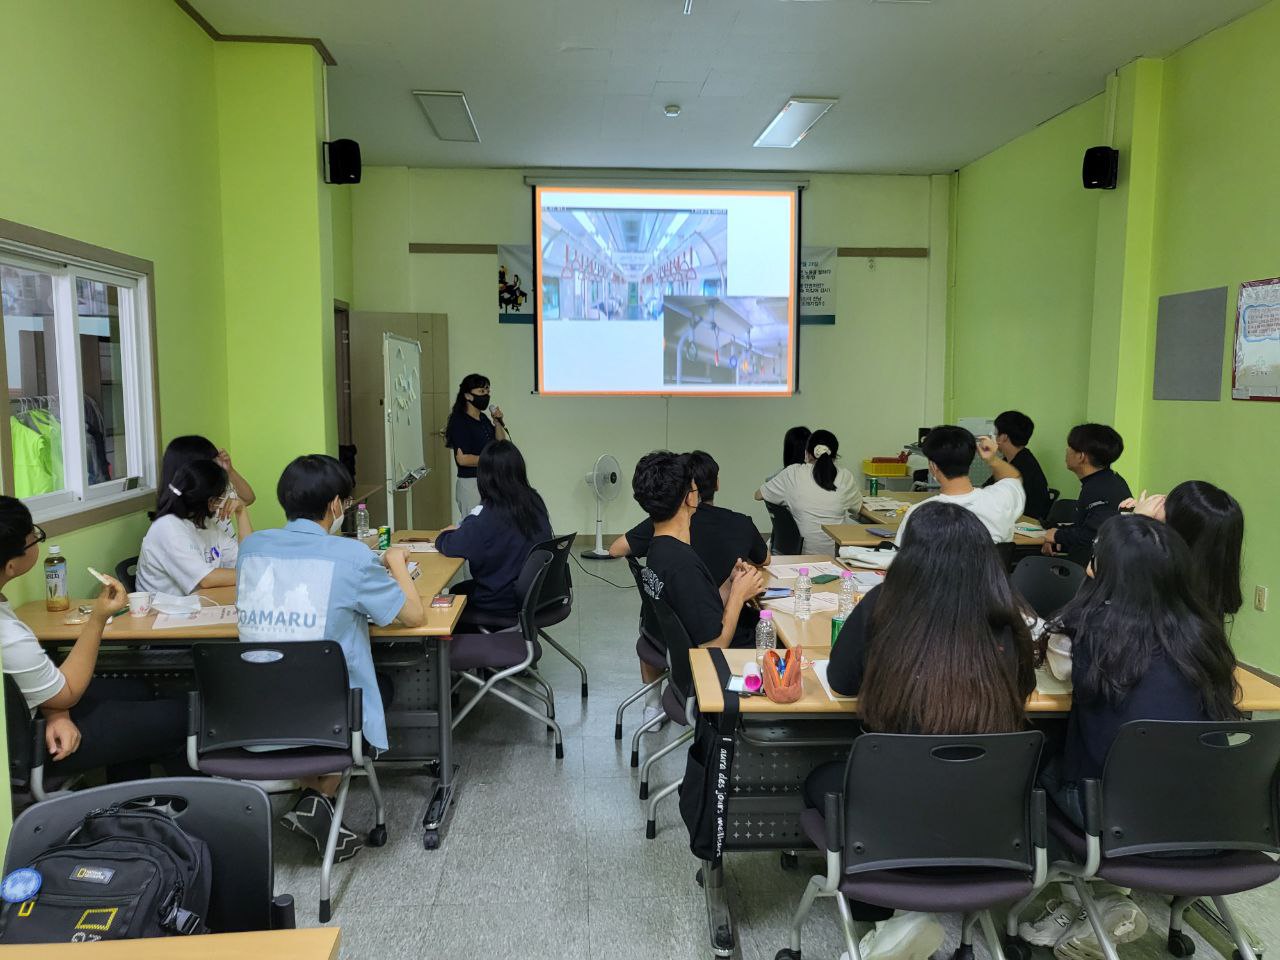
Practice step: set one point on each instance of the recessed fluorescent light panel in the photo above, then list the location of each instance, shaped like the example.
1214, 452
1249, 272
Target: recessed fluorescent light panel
448, 114
794, 121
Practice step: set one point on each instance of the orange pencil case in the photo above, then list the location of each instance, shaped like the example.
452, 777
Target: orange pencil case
783, 682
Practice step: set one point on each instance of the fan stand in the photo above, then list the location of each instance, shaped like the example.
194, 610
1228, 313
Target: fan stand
599, 553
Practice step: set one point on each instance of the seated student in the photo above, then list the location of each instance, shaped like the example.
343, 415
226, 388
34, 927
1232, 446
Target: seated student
663, 486
1143, 646
720, 537
185, 549
940, 647
816, 491
183, 450
90, 721
951, 451
1091, 449
1212, 523
301, 583
1013, 433
498, 539
794, 444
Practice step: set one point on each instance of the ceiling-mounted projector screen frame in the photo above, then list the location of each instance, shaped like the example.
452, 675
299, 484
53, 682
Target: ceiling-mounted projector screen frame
754, 309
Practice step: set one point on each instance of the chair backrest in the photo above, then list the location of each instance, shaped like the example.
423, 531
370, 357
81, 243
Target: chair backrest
675, 639
1006, 551
19, 728
1054, 494
557, 588
942, 801
785, 538
529, 586
648, 619
294, 693
233, 818
127, 573
1061, 511
1179, 785
1047, 583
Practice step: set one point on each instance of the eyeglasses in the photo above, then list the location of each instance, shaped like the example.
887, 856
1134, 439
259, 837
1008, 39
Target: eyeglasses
40, 536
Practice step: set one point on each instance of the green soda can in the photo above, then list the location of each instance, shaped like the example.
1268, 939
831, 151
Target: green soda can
837, 624
874, 486
384, 538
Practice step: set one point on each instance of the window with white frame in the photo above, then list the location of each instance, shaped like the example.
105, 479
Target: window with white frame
77, 359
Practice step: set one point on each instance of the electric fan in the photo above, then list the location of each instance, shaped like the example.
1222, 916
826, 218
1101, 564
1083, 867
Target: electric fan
603, 481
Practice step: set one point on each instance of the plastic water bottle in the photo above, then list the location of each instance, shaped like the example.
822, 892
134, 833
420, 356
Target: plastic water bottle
362, 522
848, 598
766, 635
804, 595
55, 581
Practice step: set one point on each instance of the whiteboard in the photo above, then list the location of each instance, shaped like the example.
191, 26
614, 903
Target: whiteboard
402, 399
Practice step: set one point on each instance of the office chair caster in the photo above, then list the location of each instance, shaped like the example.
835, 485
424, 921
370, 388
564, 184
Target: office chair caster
789, 860
1016, 949
963, 952
1179, 944
377, 836
787, 954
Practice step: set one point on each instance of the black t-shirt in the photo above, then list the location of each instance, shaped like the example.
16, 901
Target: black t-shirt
468, 436
676, 574
719, 536
1101, 494
1034, 484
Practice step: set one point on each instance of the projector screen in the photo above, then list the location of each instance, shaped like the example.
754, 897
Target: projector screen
666, 291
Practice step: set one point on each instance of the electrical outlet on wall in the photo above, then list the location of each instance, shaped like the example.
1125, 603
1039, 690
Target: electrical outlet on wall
1260, 598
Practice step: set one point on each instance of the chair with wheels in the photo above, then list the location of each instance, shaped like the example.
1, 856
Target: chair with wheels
506, 654
650, 651
1061, 511
127, 573
1047, 583
293, 695
234, 819
785, 538
1185, 809
556, 601
937, 824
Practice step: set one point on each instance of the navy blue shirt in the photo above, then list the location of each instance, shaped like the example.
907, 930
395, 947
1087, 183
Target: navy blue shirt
495, 550
1101, 494
468, 436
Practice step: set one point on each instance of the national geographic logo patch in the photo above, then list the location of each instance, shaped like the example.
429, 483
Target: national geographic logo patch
85, 874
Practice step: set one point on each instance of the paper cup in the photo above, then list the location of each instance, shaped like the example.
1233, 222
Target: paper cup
140, 604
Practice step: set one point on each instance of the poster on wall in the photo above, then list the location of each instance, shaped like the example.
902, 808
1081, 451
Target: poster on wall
515, 283
1255, 372
818, 285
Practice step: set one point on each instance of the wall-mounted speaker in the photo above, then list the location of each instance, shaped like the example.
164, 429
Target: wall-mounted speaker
1101, 168
341, 161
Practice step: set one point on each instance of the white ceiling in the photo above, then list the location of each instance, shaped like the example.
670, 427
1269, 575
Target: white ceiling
923, 87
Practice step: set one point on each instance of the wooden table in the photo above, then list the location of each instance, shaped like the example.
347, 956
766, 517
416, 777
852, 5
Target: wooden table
816, 631
315, 943
860, 535
906, 496
132, 634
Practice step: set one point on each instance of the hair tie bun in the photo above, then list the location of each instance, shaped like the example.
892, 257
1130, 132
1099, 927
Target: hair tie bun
176, 492
821, 450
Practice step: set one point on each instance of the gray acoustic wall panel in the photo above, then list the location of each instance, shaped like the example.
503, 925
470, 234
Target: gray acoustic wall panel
1190, 328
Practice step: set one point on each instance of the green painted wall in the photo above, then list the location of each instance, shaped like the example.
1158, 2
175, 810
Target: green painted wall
1217, 209
1023, 282
340, 201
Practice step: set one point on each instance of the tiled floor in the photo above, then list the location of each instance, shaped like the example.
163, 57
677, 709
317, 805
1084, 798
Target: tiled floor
548, 859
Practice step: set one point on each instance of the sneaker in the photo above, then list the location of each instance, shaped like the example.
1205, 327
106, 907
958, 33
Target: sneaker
907, 936
1123, 920
649, 714
312, 816
1048, 930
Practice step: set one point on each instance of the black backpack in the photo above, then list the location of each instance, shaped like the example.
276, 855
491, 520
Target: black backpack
123, 873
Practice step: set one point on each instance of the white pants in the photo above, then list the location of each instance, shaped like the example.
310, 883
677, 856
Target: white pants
467, 493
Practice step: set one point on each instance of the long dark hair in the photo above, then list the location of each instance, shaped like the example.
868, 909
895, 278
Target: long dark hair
503, 485
472, 381
795, 442
180, 452
824, 467
188, 494
1139, 605
1211, 522
935, 657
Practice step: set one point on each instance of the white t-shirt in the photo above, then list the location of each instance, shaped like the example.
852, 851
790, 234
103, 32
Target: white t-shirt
176, 555
24, 659
811, 505
998, 507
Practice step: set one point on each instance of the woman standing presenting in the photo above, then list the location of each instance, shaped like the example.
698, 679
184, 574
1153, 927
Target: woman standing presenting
467, 433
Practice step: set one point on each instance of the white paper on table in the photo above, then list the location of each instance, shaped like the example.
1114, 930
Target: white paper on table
419, 546
820, 668
823, 600
790, 571
884, 504
207, 617
865, 580
1047, 683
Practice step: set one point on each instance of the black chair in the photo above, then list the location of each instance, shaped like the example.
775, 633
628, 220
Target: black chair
556, 601
25, 737
1205, 790
938, 824
504, 654
294, 694
1006, 551
1047, 583
1054, 494
234, 819
785, 538
651, 652
127, 573
1061, 511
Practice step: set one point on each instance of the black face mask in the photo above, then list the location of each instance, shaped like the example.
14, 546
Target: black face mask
480, 400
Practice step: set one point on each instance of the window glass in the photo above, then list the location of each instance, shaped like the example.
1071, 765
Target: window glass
102, 373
